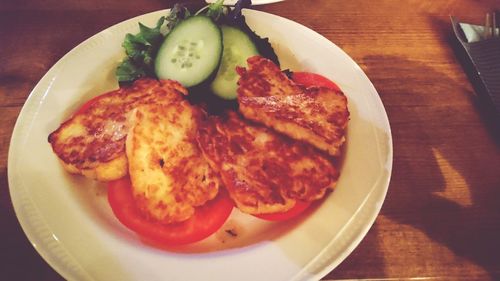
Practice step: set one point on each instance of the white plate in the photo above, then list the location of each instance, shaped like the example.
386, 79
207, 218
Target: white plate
70, 224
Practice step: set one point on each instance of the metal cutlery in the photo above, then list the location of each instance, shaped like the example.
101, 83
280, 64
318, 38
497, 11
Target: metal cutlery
490, 26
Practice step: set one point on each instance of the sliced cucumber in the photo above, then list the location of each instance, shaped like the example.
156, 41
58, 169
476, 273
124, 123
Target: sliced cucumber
238, 47
191, 52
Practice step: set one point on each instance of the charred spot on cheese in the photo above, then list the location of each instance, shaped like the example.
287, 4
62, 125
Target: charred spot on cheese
316, 115
169, 175
92, 142
264, 172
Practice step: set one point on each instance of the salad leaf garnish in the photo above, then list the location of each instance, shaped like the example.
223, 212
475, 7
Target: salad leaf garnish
216, 10
235, 14
127, 71
177, 14
141, 48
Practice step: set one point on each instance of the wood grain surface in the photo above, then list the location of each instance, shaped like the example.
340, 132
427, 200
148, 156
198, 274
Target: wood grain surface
441, 217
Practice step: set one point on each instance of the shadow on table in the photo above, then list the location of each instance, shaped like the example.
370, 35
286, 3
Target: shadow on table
367, 254
462, 214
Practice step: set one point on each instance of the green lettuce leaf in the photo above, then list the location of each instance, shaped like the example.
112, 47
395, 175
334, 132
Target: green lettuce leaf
216, 10
127, 71
177, 14
141, 49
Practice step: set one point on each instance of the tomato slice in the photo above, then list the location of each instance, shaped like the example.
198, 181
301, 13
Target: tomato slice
206, 220
309, 79
299, 208
88, 104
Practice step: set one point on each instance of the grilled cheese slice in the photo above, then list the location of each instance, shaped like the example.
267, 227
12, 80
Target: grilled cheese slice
169, 174
263, 171
92, 141
316, 115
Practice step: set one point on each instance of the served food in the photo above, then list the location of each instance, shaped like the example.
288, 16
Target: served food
263, 171
169, 175
206, 219
191, 52
316, 115
199, 50
92, 141
174, 170
237, 48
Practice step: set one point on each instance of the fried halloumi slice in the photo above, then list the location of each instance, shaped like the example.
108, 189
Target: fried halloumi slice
316, 115
92, 141
263, 171
169, 174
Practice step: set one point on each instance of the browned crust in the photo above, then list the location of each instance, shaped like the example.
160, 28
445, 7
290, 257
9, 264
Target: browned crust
90, 141
169, 174
263, 171
316, 115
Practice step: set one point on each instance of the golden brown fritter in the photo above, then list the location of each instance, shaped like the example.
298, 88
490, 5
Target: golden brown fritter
316, 115
92, 142
264, 172
169, 174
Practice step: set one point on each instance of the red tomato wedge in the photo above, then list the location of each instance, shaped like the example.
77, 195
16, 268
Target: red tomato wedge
206, 220
88, 104
298, 209
312, 79
306, 79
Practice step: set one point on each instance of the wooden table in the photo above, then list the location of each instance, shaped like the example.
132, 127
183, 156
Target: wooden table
441, 217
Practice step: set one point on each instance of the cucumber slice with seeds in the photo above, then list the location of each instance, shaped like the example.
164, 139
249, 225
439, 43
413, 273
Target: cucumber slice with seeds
238, 47
191, 52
